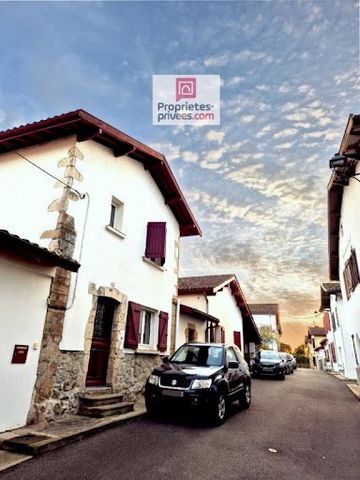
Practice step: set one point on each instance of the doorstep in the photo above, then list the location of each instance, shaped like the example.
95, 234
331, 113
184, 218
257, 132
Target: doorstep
23, 443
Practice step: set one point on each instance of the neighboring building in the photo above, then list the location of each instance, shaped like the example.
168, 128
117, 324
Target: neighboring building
113, 317
344, 240
228, 317
26, 273
315, 350
331, 303
268, 315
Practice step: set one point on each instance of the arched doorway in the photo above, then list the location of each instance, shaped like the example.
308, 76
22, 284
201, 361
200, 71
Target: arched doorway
101, 342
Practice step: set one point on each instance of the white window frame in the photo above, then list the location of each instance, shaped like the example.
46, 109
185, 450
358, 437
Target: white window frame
117, 224
154, 325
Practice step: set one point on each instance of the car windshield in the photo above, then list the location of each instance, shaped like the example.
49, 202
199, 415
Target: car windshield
269, 355
201, 355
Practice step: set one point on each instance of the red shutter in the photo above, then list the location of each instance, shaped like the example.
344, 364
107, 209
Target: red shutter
132, 326
212, 334
155, 240
237, 339
163, 331
332, 346
222, 335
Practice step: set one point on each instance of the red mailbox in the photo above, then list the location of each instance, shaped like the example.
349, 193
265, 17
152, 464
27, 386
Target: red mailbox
20, 354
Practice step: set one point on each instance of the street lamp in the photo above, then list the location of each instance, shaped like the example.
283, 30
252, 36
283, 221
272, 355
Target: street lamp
341, 165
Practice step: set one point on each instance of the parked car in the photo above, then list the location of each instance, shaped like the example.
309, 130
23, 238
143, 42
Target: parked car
293, 359
206, 376
268, 362
285, 357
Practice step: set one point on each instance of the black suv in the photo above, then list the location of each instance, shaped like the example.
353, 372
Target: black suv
268, 362
202, 375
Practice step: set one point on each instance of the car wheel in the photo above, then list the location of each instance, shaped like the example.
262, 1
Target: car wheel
282, 377
245, 397
219, 410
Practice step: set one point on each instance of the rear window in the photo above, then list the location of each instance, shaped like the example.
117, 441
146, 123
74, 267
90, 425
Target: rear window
200, 355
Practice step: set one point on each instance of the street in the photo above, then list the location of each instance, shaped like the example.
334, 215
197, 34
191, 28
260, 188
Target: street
311, 419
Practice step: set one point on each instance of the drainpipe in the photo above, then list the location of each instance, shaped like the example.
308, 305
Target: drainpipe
177, 321
208, 323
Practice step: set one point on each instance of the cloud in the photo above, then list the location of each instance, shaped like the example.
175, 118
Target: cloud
171, 151
235, 81
263, 131
215, 136
190, 157
284, 146
247, 118
287, 132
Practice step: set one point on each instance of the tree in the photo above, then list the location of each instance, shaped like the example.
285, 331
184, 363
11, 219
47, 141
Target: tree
285, 347
268, 336
300, 350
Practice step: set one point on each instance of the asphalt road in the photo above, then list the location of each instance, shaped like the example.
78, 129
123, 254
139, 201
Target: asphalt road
311, 419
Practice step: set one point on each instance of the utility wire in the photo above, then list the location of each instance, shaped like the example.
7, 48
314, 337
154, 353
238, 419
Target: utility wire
81, 195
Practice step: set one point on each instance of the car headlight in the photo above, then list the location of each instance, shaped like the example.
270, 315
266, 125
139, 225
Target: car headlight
199, 383
154, 380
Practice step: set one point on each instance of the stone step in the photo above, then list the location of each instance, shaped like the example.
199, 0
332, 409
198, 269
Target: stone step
106, 410
96, 400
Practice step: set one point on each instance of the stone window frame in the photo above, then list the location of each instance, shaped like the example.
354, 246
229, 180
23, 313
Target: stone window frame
117, 330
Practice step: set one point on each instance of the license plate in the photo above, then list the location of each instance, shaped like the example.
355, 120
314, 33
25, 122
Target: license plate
173, 393
267, 369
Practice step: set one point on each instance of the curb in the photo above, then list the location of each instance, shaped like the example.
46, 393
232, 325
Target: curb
355, 389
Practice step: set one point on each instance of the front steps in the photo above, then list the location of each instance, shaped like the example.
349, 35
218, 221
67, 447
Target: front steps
102, 405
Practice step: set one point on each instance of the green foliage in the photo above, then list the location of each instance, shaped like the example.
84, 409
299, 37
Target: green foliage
300, 350
302, 360
285, 347
267, 337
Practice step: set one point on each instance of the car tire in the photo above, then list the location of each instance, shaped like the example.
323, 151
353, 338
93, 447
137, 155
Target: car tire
219, 410
245, 397
282, 377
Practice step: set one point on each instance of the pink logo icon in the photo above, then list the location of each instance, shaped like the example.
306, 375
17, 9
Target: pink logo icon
185, 88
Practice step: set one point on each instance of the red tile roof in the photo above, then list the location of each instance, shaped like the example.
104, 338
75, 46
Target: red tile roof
13, 244
194, 312
85, 126
317, 332
204, 283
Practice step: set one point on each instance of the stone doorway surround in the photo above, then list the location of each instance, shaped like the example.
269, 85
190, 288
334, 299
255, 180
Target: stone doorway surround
117, 332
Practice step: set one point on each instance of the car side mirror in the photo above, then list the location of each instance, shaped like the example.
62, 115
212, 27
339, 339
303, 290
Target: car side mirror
233, 365
165, 359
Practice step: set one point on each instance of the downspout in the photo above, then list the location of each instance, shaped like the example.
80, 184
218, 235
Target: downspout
177, 322
208, 323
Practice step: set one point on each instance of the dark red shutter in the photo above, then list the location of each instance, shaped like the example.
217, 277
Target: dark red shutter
132, 326
155, 240
332, 346
163, 331
222, 335
237, 339
212, 334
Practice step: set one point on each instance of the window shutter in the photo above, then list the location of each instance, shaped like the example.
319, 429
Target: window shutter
212, 333
222, 335
237, 339
132, 326
346, 281
156, 240
163, 331
354, 270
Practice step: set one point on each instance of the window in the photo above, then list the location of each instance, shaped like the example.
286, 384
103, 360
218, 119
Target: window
200, 355
230, 355
156, 242
116, 214
146, 328
351, 274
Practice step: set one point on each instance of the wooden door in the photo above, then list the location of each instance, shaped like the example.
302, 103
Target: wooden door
101, 341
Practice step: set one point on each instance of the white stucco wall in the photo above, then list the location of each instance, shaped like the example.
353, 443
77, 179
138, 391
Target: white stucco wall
107, 259
23, 304
268, 320
200, 327
196, 300
349, 237
223, 306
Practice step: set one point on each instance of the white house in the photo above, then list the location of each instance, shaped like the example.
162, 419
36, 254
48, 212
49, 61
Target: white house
331, 303
315, 348
268, 315
230, 319
344, 239
117, 209
26, 273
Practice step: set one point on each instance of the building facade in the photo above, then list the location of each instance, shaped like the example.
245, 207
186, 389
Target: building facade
268, 315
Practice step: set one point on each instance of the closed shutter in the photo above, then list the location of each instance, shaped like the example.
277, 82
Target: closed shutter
354, 270
163, 331
212, 334
156, 240
132, 326
222, 335
333, 352
237, 339
347, 281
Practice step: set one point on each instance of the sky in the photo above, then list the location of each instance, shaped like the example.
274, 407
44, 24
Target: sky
257, 182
